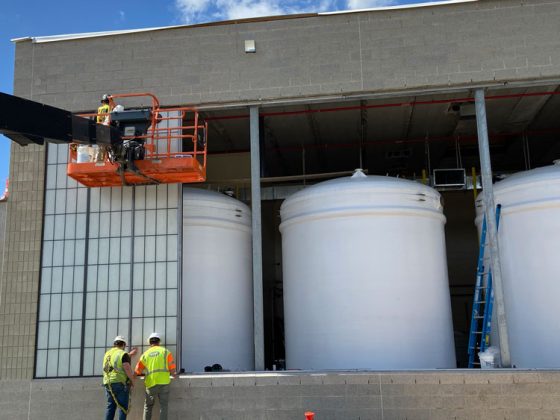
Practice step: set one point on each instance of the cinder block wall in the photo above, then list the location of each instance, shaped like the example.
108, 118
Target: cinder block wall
379, 51
3, 206
286, 396
19, 278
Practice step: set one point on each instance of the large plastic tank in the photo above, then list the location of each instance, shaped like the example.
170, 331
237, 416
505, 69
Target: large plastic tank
529, 239
217, 293
365, 276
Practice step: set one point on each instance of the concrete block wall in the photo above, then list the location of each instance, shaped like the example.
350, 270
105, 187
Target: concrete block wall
19, 278
456, 45
345, 396
3, 207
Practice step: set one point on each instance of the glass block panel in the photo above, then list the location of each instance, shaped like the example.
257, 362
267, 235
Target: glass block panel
89, 336
58, 253
60, 204
161, 249
66, 307
112, 305
69, 247
50, 199
46, 280
45, 308
56, 280
125, 277
54, 332
149, 275
88, 361
161, 222
115, 223
126, 249
71, 200
101, 311
81, 224
103, 277
116, 197
172, 301
52, 363
161, 275
77, 305
160, 295
65, 333
127, 198
41, 364
114, 273
70, 226
172, 222
151, 222
149, 300
139, 223
103, 251
55, 306
81, 205
95, 195
124, 304
74, 362
43, 335
48, 228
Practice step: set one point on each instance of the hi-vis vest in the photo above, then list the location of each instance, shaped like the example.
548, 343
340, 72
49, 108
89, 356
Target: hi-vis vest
155, 363
113, 371
103, 109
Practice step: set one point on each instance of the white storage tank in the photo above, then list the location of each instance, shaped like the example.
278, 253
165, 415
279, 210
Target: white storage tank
529, 239
217, 292
365, 276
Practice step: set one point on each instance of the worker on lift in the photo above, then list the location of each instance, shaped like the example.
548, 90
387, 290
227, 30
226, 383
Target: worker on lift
99, 152
104, 110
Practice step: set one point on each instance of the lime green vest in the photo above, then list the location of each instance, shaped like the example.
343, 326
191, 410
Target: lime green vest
155, 362
113, 371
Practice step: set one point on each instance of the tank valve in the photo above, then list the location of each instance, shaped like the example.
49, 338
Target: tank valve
359, 173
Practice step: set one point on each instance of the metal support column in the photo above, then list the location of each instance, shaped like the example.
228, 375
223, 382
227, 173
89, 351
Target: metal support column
489, 205
258, 328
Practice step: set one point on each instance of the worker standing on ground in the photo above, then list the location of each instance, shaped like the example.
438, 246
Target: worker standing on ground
118, 378
158, 363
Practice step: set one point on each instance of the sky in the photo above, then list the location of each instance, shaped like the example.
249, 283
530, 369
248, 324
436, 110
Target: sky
40, 18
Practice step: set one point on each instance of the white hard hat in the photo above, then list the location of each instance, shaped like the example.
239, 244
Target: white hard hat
118, 108
154, 335
119, 338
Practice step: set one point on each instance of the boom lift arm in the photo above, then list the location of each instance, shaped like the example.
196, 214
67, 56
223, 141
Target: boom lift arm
24, 122
137, 146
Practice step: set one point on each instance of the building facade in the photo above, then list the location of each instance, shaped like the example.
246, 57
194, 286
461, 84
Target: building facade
83, 265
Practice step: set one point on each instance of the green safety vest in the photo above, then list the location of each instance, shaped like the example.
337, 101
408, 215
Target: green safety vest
113, 371
155, 362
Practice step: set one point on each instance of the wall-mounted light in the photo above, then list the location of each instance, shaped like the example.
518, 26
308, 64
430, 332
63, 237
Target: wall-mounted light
250, 46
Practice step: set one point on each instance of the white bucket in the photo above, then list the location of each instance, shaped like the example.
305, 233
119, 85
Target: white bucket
83, 154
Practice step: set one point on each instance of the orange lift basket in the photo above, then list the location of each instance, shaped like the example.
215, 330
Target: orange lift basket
173, 149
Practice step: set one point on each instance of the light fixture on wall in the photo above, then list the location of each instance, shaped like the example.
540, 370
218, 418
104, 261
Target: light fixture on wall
250, 46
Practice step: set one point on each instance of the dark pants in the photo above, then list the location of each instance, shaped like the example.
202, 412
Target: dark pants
120, 391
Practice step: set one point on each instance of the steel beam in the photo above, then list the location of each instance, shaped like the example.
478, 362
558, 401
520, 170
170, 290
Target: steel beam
258, 323
490, 208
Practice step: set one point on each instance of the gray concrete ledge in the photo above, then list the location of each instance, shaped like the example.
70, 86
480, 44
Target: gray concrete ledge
458, 394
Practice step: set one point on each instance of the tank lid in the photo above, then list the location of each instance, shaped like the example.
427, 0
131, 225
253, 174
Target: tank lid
360, 193
538, 175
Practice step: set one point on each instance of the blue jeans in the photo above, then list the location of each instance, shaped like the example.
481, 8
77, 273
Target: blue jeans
120, 391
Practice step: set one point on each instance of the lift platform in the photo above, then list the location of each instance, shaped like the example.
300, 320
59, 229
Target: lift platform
159, 145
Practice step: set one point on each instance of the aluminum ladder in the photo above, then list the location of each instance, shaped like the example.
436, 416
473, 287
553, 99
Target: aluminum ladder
483, 302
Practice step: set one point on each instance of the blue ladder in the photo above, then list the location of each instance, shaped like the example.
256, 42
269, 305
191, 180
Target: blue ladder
481, 319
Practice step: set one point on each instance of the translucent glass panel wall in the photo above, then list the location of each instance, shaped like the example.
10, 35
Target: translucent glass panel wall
109, 267
59, 334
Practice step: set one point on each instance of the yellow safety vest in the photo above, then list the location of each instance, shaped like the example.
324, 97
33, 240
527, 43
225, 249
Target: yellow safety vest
103, 109
157, 370
113, 371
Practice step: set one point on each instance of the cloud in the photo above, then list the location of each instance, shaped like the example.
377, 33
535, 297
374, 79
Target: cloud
194, 11
368, 4
122, 15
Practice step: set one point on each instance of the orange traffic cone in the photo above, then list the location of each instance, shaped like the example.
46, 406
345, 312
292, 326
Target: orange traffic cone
309, 415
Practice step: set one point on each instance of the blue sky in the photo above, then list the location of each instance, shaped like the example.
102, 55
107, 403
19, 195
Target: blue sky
39, 17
